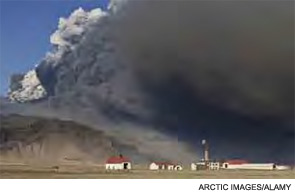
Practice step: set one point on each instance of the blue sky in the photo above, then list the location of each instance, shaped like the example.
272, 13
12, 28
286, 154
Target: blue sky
25, 28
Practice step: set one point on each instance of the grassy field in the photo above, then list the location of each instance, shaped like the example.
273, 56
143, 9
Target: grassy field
97, 172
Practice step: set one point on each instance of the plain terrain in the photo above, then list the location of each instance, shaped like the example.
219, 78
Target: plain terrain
140, 172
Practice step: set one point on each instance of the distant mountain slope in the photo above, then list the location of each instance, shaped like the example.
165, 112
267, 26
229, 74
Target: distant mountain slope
139, 142
32, 139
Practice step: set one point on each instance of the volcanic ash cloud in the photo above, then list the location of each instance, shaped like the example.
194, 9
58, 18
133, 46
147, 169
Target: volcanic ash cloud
192, 69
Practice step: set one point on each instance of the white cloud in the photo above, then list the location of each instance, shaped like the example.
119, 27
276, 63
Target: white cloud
70, 29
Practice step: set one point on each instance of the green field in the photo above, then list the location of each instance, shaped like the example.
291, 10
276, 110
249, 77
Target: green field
97, 172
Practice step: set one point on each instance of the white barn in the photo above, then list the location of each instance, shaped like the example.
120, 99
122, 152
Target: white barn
164, 166
118, 163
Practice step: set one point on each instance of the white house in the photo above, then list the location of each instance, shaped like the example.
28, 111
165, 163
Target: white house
205, 165
176, 167
164, 166
193, 166
244, 165
118, 163
198, 166
214, 165
156, 166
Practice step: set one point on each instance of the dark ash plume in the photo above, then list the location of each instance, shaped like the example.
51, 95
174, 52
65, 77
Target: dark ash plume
217, 69
237, 55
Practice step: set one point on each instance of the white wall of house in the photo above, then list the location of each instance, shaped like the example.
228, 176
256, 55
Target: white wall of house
204, 166
118, 166
193, 166
282, 167
249, 166
178, 167
154, 166
214, 165
170, 167
174, 167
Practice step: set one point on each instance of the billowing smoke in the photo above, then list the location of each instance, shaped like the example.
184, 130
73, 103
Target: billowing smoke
217, 69
236, 55
220, 70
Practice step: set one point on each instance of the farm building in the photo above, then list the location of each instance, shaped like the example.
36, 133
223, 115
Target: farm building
205, 166
118, 163
199, 166
214, 165
245, 165
164, 166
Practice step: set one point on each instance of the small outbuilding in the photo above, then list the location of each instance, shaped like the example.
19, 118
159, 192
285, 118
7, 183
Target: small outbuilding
118, 163
165, 166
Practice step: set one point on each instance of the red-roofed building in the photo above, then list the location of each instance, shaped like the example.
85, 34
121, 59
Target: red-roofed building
118, 163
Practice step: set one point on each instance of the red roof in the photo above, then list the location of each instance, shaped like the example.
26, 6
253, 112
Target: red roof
237, 161
117, 159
